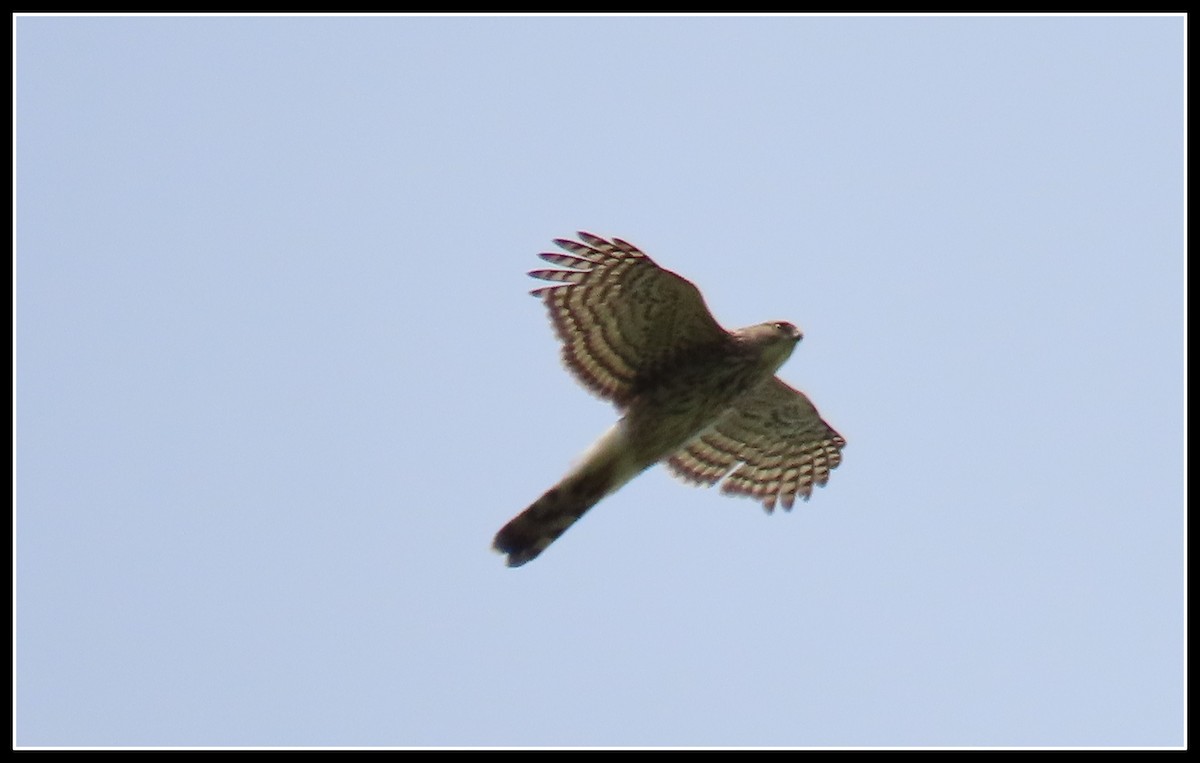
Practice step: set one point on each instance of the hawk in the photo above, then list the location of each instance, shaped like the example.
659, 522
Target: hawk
703, 400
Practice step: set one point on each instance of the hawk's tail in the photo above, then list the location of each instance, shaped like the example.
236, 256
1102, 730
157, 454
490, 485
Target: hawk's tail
603, 470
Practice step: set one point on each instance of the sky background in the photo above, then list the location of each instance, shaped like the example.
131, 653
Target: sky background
278, 380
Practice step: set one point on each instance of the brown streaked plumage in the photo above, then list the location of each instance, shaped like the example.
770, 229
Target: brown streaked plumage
703, 400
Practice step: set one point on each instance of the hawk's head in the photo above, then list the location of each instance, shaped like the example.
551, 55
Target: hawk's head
772, 341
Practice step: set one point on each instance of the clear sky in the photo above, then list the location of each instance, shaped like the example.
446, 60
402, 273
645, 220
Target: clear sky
278, 380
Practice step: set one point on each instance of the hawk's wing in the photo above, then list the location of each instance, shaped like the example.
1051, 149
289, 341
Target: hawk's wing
776, 439
621, 318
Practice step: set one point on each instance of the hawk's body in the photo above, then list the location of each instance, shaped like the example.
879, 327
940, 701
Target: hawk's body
694, 395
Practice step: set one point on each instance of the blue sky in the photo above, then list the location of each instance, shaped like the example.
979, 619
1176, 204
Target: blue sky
278, 381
